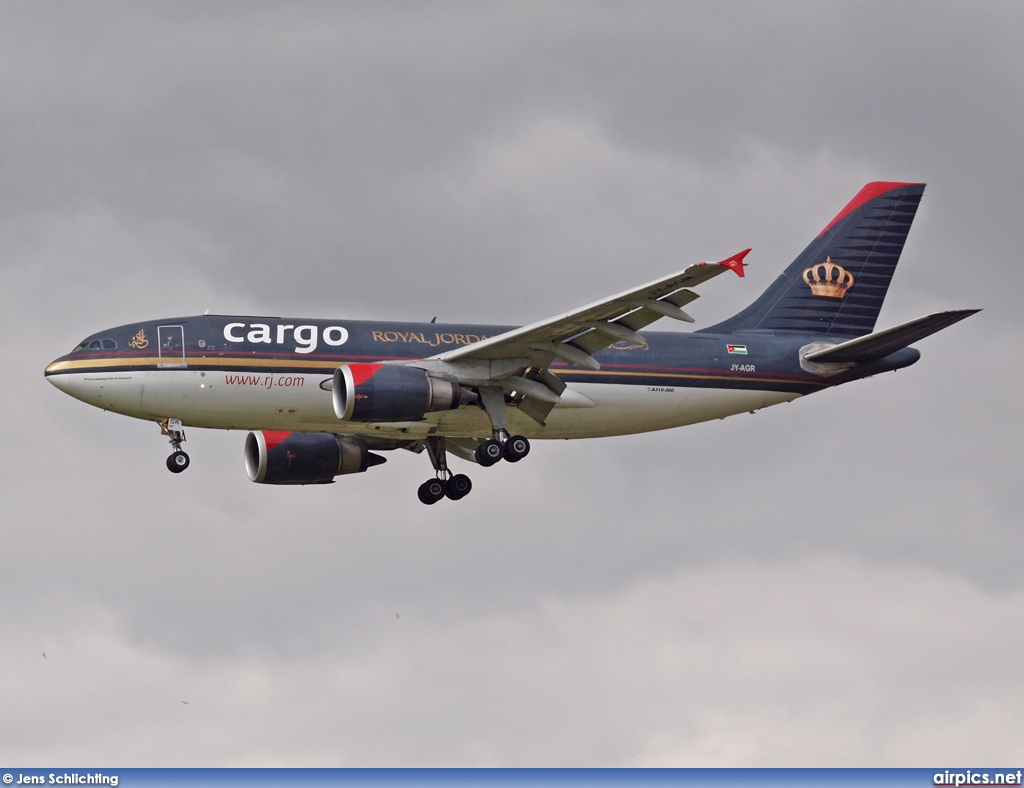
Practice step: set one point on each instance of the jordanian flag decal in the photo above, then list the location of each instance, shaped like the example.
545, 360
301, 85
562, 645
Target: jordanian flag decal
738, 350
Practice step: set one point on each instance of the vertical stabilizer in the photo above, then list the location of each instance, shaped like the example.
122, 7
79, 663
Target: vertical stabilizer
837, 284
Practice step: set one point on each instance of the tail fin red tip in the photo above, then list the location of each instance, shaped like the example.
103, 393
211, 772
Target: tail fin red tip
868, 193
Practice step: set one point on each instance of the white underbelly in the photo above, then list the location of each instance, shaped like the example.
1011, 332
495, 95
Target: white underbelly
622, 410
217, 400
275, 401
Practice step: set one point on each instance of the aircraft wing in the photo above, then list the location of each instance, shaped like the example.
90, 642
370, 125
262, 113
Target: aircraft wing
575, 336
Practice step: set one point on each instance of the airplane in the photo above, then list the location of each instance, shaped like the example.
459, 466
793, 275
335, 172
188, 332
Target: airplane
322, 398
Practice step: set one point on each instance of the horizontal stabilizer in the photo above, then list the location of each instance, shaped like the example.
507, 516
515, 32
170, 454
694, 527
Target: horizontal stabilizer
882, 343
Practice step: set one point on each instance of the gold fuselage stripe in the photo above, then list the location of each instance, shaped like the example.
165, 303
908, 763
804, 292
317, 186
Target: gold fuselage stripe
200, 362
305, 365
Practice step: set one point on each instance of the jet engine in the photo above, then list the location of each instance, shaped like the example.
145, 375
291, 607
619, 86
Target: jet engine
304, 457
388, 392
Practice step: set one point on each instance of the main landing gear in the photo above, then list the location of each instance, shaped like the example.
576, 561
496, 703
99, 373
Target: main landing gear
178, 461
502, 448
456, 486
446, 484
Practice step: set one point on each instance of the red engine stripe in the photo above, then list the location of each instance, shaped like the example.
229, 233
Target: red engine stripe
274, 437
363, 372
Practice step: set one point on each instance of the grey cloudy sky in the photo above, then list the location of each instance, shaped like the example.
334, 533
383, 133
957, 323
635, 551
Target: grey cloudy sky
837, 581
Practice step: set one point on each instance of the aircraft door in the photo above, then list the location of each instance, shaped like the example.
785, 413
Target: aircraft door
171, 346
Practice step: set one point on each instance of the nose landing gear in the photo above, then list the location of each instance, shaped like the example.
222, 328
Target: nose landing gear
178, 461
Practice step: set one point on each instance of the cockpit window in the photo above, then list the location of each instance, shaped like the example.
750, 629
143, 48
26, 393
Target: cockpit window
96, 344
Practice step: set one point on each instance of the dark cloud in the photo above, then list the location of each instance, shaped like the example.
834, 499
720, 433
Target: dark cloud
786, 588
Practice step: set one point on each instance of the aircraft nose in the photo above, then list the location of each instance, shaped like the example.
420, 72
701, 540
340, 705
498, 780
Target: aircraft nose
52, 373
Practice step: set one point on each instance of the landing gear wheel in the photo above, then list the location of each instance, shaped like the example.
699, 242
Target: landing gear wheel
488, 453
431, 491
177, 462
458, 486
516, 448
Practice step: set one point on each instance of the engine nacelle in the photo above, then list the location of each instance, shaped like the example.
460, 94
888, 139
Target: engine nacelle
304, 457
388, 392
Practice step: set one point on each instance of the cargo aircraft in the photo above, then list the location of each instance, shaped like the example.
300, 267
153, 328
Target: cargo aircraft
321, 398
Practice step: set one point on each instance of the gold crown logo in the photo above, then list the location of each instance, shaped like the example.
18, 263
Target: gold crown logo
828, 279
